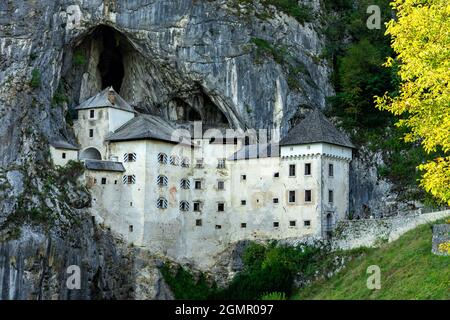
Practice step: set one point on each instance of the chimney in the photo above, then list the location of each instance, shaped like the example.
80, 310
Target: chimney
111, 96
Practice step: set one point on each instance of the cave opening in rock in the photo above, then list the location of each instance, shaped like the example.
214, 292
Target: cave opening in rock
110, 63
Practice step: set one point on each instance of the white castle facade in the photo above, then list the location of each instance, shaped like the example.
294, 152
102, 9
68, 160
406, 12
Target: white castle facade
188, 193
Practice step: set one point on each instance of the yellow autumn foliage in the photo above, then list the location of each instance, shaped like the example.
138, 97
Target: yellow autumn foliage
421, 40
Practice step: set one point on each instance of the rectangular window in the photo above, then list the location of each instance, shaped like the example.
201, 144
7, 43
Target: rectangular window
275, 200
307, 223
198, 222
243, 177
103, 180
276, 175
276, 224
243, 225
308, 196
218, 226
292, 170
292, 223
63, 155
330, 196
330, 170
291, 196
307, 169
115, 181
91, 114
197, 206
243, 202
199, 163
91, 133
220, 185
131, 228
221, 207
198, 184
221, 163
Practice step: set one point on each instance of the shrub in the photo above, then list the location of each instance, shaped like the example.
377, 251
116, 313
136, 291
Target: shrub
79, 59
274, 296
35, 81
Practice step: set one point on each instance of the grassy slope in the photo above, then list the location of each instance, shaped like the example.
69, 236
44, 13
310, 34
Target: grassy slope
408, 271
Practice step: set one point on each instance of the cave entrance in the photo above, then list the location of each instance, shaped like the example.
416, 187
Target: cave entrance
110, 62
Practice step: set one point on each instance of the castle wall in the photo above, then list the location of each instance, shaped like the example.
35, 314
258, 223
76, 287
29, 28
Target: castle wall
57, 155
178, 234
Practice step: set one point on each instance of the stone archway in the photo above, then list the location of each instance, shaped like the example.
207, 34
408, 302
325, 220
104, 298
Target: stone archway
90, 153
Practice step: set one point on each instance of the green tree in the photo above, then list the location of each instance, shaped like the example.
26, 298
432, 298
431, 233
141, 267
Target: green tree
421, 39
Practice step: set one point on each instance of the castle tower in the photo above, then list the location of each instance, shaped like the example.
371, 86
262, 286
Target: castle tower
316, 156
99, 116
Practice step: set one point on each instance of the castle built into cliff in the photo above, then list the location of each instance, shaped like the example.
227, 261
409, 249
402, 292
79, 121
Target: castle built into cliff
179, 187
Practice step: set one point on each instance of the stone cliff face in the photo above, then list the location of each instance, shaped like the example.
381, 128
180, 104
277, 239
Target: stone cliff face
222, 61
164, 55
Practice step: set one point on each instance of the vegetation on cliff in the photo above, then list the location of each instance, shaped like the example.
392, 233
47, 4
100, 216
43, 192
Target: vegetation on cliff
357, 54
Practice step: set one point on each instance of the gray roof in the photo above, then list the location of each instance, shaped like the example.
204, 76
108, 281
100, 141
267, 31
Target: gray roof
254, 151
316, 128
100, 165
145, 126
62, 144
101, 100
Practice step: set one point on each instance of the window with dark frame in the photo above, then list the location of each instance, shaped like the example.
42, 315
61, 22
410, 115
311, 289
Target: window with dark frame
220, 163
292, 223
92, 114
292, 196
330, 196
198, 222
276, 224
197, 206
243, 202
276, 175
63, 155
130, 228
308, 197
307, 223
243, 177
103, 180
220, 206
275, 200
243, 225
292, 170
198, 184
91, 133
330, 170
307, 169
218, 226
220, 185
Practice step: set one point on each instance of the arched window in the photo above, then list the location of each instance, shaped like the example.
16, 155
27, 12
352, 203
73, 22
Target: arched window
174, 160
185, 162
162, 181
185, 183
161, 203
184, 205
162, 158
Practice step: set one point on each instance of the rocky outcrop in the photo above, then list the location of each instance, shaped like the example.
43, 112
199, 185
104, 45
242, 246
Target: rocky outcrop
37, 265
